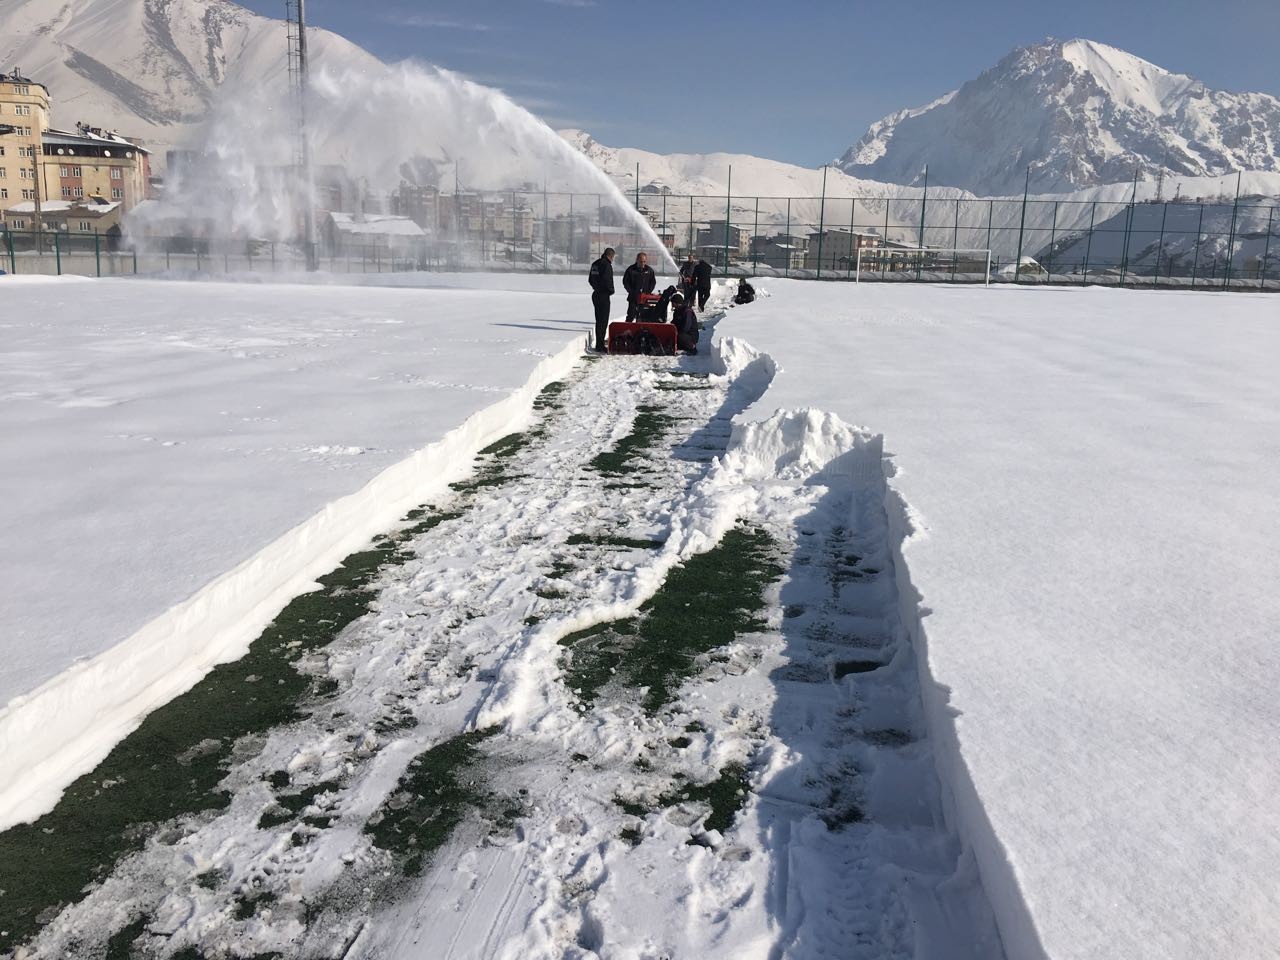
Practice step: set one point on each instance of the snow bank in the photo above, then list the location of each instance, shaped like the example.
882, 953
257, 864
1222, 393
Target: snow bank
1087, 510
181, 459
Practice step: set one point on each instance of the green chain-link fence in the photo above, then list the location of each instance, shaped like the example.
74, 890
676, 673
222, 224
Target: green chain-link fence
1204, 244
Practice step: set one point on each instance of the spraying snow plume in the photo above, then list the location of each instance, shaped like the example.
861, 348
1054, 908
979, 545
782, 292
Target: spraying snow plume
404, 123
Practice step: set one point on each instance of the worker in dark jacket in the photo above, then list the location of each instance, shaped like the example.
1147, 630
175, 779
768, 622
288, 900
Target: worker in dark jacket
637, 279
601, 280
689, 278
746, 292
702, 272
686, 322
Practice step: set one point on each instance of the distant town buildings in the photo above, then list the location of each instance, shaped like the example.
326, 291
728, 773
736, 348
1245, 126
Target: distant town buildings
74, 182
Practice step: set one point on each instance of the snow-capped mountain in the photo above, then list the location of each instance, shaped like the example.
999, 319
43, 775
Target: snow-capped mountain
707, 174
1079, 113
149, 68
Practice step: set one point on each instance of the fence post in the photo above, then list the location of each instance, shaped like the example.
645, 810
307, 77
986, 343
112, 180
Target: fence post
135, 260
755, 253
1017, 260
1053, 240
991, 214
57, 249
1266, 252
97, 252
728, 212
1088, 244
1231, 242
885, 260
1164, 219
1128, 228
13, 260
822, 212
1195, 256
853, 237
924, 200
955, 242
546, 228
786, 272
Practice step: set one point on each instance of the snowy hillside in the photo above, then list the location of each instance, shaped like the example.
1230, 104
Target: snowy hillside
149, 68
1079, 113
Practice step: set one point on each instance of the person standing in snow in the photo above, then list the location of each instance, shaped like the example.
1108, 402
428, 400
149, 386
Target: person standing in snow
702, 275
688, 278
637, 279
601, 279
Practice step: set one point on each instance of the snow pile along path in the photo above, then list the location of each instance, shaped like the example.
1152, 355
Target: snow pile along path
1084, 491
190, 456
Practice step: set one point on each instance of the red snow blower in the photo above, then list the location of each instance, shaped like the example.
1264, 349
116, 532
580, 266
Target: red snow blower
649, 334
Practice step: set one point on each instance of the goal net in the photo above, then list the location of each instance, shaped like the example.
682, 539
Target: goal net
937, 263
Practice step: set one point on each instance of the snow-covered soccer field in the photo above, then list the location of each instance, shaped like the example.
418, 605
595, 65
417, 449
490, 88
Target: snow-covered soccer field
679, 665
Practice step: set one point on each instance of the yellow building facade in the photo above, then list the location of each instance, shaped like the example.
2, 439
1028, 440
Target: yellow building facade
39, 164
24, 118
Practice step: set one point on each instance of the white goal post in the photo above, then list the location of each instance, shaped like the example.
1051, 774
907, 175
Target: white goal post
933, 259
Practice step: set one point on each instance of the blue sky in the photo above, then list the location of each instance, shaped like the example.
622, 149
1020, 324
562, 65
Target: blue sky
797, 81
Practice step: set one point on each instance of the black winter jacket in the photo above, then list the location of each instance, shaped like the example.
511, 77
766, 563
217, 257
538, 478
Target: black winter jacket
637, 279
703, 273
601, 277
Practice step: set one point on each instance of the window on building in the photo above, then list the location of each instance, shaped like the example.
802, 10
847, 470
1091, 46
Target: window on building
66, 192
19, 224
62, 172
26, 151
24, 173
28, 194
117, 173
75, 171
23, 110
78, 191
1, 151
4, 193
117, 193
4, 174
22, 89
85, 226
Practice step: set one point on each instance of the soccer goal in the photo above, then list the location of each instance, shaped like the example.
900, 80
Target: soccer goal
951, 261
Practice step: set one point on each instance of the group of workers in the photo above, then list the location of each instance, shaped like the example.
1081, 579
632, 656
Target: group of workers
639, 278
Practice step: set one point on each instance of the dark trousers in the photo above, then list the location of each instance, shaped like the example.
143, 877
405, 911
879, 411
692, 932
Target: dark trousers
704, 294
601, 302
633, 308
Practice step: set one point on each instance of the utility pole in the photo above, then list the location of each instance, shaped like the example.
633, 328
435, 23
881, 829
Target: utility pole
35, 183
296, 12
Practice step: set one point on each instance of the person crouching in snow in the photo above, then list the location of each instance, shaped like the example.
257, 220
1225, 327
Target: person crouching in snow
686, 321
746, 292
637, 279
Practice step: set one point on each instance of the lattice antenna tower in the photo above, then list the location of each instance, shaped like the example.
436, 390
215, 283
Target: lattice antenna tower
296, 20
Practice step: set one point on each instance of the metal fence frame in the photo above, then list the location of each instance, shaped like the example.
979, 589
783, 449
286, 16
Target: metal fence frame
1201, 244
